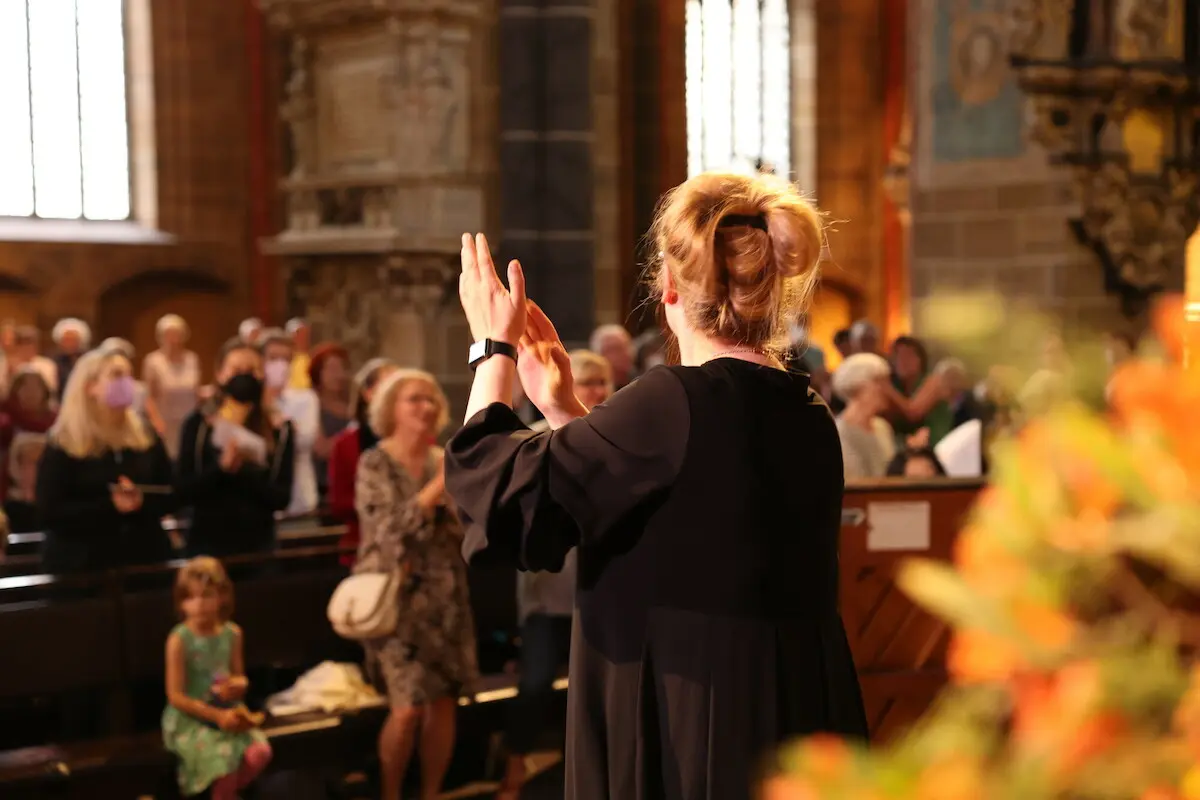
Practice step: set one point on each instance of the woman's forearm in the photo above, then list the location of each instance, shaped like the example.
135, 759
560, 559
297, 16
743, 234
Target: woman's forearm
493, 383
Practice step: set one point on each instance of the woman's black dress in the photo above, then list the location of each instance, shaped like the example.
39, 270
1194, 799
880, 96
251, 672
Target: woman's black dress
232, 513
84, 530
706, 503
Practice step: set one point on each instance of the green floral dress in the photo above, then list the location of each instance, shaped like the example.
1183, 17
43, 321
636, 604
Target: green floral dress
205, 752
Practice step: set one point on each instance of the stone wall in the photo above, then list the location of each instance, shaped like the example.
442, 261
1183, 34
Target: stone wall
188, 248
989, 212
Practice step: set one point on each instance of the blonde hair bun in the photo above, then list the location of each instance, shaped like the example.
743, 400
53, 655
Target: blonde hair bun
743, 252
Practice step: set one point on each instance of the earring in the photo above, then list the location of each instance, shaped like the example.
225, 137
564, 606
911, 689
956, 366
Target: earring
670, 297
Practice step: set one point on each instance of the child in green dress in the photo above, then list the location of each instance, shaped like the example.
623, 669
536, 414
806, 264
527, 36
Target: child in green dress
215, 738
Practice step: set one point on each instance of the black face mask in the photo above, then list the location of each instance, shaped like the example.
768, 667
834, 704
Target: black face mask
244, 388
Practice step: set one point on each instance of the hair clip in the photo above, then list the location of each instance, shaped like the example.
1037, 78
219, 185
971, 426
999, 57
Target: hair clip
750, 220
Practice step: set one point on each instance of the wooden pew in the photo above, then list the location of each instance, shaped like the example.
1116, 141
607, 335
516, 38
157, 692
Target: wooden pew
24, 549
899, 649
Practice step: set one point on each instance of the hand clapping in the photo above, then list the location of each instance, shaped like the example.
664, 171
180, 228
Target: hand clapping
493, 312
544, 366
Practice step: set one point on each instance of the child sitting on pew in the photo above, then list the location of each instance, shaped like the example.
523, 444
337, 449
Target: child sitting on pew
215, 737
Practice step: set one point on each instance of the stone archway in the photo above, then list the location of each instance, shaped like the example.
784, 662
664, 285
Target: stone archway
130, 309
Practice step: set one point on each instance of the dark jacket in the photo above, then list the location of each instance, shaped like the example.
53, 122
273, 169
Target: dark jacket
231, 512
84, 530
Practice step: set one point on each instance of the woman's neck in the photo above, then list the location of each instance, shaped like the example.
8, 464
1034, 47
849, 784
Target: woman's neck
173, 353
697, 349
334, 402
406, 448
858, 414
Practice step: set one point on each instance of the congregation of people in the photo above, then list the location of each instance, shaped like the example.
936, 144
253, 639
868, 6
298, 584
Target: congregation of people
99, 450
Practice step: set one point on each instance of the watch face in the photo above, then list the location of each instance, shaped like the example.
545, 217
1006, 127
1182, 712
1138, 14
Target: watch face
478, 351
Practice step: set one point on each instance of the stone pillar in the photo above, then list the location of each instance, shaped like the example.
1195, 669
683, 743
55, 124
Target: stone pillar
546, 154
389, 108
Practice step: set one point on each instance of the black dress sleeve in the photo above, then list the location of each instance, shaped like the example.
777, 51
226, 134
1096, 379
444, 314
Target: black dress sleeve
530, 497
60, 501
198, 476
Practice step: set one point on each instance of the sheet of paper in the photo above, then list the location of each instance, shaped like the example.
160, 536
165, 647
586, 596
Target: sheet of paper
898, 526
253, 446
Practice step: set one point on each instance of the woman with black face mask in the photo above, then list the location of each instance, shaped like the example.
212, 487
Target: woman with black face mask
235, 461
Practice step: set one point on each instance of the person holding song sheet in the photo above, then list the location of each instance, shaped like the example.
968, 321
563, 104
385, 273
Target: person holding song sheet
235, 460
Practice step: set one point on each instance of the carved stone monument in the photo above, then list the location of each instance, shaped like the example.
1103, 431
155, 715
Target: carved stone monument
385, 107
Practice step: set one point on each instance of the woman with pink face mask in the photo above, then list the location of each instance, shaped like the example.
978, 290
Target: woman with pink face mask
301, 407
104, 482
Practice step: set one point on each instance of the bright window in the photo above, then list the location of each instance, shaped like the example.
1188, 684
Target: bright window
64, 140
739, 89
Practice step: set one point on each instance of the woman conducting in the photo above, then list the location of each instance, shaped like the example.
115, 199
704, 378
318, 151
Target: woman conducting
705, 501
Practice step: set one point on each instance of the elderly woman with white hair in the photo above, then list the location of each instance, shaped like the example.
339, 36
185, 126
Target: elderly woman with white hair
71, 337
400, 496
867, 440
172, 377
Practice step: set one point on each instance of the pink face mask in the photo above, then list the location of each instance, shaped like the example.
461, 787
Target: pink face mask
276, 372
119, 392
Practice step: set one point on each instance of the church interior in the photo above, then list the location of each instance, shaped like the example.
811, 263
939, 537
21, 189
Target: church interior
231, 260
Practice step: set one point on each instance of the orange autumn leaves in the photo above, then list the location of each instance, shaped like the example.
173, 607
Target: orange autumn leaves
1084, 690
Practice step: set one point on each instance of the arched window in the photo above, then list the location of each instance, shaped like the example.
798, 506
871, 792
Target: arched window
745, 75
64, 139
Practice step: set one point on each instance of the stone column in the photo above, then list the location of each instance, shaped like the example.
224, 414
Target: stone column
546, 154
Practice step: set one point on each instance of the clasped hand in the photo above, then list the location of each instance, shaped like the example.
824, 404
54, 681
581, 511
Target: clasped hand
231, 689
507, 315
126, 497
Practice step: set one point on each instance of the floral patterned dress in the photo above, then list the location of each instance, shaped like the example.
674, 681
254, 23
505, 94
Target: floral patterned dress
205, 752
432, 653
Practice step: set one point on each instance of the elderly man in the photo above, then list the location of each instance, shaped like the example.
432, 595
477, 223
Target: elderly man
864, 337
249, 330
615, 344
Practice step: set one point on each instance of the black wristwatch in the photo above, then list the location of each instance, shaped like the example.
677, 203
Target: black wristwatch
481, 351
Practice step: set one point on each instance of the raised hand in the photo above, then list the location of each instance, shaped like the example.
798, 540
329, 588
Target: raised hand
493, 312
545, 370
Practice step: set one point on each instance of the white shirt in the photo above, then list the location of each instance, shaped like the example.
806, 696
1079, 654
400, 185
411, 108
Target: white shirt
303, 409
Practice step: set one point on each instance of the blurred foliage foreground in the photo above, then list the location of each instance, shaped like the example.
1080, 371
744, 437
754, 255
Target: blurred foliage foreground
1073, 599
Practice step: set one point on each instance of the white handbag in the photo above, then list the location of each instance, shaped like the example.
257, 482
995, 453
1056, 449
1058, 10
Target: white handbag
367, 605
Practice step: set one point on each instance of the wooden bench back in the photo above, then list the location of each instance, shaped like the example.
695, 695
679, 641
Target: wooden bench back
57, 647
899, 649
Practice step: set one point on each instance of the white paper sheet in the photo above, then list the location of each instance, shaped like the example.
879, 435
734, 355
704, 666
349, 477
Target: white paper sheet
898, 526
253, 446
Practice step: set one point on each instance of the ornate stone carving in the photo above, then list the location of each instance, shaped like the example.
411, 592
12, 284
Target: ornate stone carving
299, 110
1139, 229
1142, 29
378, 104
1116, 110
1039, 29
426, 92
